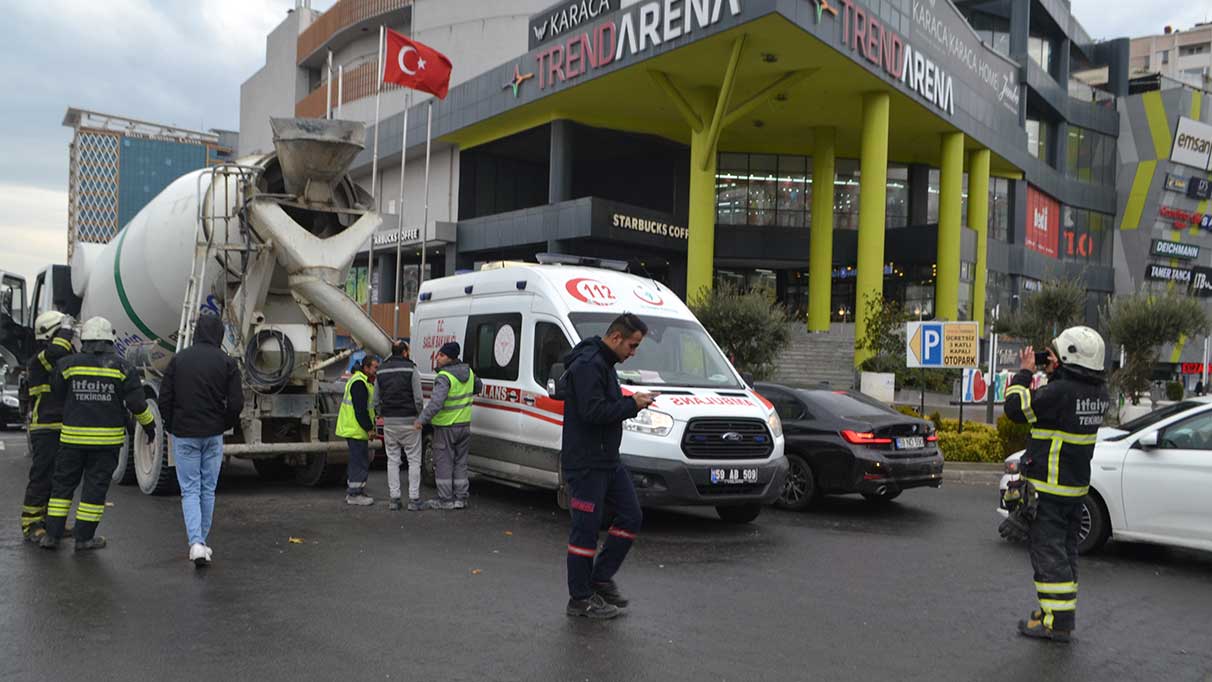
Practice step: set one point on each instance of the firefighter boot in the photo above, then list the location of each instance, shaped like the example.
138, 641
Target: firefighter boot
95, 542
594, 608
1034, 627
609, 592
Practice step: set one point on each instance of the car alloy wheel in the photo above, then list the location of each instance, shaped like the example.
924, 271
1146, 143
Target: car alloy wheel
799, 490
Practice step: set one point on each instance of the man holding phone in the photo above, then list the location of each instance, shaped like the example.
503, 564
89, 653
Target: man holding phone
598, 482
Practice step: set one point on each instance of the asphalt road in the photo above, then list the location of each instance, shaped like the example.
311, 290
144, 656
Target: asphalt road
919, 589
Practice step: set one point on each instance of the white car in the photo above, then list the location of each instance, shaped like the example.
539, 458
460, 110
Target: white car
1150, 480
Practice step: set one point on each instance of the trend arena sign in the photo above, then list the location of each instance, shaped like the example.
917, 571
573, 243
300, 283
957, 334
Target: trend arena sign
637, 30
940, 45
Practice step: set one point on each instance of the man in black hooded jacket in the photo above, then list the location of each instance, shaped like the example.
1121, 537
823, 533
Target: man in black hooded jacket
594, 411
200, 398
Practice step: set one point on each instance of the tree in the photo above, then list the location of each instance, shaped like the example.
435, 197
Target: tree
748, 326
1144, 322
1043, 314
884, 337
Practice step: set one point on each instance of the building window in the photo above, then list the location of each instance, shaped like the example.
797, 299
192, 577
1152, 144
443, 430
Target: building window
1090, 156
355, 284
794, 192
933, 200
1085, 236
1185, 50
1040, 51
1037, 139
492, 345
999, 209
1165, 56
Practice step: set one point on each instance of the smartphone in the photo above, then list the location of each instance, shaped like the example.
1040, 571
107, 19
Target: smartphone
1042, 359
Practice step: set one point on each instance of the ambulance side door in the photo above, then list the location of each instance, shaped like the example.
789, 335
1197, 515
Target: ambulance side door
542, 417
493, 350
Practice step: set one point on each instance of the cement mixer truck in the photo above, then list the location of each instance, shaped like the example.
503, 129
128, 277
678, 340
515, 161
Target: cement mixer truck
265, 244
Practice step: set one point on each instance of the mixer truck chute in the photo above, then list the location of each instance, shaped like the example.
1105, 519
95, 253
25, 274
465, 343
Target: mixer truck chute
265, 244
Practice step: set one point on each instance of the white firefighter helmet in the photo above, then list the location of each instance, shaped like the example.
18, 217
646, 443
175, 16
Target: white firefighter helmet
97, 329
47, 324
1081, 346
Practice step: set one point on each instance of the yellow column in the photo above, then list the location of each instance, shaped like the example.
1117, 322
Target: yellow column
700, 245
950, 196
873, 191
820, 258
978, 219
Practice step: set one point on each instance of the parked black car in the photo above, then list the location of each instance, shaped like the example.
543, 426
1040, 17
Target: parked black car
846, 442
10, 410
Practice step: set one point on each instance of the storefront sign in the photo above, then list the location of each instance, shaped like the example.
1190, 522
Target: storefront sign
411, 234
1192, 144
637, 30
657, 227
1176, 183
559, 19
1193, 368
938, 26
1162, 247
1183, 219
1167, 273
1199, 188
1201, 282
1043, 222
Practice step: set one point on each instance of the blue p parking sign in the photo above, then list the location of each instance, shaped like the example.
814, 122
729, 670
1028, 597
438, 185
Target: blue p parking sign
932, 345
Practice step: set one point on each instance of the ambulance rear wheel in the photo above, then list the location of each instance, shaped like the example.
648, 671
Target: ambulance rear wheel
429, 475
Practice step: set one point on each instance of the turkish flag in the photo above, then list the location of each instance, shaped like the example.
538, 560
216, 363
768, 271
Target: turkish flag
413, 65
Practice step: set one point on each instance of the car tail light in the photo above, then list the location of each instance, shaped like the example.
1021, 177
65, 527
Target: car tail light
864, 438
932, 438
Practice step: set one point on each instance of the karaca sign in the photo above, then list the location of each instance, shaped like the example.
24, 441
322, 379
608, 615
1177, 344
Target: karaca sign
559, 19
642, 28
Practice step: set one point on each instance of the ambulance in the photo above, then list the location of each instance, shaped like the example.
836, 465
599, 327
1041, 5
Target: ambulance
708, 439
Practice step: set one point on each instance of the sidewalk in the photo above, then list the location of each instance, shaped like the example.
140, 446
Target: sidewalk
973, 472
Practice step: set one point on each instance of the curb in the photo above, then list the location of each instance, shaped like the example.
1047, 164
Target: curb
968, 475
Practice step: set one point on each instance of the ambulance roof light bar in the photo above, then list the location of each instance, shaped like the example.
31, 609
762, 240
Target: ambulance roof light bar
587, 261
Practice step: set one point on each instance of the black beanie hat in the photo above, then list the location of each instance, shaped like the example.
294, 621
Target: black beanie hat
450, 349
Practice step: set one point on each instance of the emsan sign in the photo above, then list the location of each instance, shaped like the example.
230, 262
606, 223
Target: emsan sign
864, 33
634, 32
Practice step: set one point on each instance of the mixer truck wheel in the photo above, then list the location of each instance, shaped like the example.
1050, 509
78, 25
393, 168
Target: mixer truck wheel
272, 468
319, 471
152, 470
124, 473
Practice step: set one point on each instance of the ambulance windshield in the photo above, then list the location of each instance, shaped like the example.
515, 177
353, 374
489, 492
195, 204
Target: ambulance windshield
674, 353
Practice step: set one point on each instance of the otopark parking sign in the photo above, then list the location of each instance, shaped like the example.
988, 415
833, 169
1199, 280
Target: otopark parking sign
942, 344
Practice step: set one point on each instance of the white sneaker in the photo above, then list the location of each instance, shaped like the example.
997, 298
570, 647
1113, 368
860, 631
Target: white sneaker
209, 553
199, 554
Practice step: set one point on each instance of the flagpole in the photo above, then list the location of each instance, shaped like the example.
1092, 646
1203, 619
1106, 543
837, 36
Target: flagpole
425, 218
400, 212
340, 88
374, 168
328, 94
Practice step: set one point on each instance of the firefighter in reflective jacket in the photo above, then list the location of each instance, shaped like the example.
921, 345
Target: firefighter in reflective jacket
53, 329
1064, 415
97, 388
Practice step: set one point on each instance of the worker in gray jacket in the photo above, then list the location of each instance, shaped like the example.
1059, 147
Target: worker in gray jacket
449, 411
398, 401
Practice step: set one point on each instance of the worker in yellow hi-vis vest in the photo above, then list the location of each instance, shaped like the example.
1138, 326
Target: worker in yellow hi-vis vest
449, 410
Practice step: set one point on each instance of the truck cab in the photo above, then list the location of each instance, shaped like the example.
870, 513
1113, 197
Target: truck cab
709, 439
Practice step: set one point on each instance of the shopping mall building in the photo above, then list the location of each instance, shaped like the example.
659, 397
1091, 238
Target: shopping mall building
963, 164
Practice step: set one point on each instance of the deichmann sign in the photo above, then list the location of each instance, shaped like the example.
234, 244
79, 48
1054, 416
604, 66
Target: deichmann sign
641, 28
1166, 273
942, 344
563, 17
1162, 247
1192, 144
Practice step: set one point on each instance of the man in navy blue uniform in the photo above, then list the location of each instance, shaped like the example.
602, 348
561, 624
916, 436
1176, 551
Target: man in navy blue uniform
598, 483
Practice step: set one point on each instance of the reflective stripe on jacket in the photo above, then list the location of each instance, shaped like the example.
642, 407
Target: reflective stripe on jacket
97, 388
1065, 416
456, 409
347, 418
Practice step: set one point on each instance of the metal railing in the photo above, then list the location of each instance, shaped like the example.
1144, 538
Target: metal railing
341, 15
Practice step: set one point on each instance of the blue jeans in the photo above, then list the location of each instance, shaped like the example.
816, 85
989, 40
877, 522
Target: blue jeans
198, 462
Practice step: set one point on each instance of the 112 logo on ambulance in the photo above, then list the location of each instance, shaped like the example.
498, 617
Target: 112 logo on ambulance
588, 290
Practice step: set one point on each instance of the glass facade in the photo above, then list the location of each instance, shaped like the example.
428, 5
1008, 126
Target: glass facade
1086, 236
776, 190
999, 205
1039, 49
1037, 139
1090, 156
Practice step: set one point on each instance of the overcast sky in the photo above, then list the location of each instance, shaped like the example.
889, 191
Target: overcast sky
182, 63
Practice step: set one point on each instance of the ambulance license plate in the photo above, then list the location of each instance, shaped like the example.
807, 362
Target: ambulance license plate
733, 476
